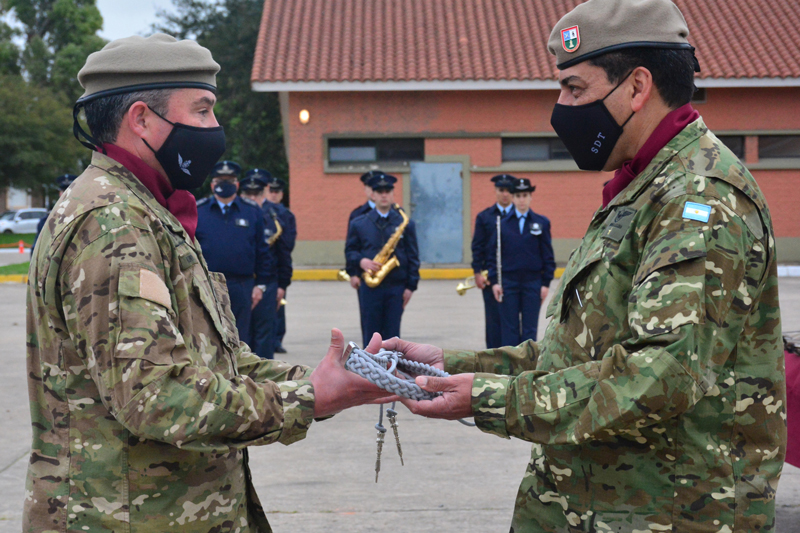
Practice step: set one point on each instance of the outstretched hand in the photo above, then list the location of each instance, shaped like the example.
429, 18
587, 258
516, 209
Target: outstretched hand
454, 403
336, 388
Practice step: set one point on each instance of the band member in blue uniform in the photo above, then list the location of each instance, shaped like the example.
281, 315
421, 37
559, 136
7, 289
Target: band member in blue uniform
231, 233
262, 325
275, 191
363, 209
528, 265
382, 306
485, 226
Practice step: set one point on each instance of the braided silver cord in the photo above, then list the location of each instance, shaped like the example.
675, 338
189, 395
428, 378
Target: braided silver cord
390, 371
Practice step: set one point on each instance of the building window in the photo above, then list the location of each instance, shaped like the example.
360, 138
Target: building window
534, 149
735, 144
355, 151
699, 96
777, 146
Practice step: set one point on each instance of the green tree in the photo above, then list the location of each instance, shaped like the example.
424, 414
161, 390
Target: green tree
252, 121
36, 139
38, 86
59, 35
9, 52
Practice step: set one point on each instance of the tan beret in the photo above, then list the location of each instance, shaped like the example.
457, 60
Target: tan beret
597, 27
141, 63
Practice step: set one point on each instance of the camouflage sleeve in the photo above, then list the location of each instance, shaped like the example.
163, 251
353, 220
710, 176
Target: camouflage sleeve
149, 378
509, 360
693, 289
296, 391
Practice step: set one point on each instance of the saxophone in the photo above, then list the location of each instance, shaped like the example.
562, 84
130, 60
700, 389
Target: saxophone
386, 256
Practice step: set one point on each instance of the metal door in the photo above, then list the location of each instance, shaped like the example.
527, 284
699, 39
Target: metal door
436, 209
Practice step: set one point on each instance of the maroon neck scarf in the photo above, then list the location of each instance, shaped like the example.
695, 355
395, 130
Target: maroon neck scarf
181, 204
672, 125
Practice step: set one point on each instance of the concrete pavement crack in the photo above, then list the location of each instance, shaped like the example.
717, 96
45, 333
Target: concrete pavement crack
15, 461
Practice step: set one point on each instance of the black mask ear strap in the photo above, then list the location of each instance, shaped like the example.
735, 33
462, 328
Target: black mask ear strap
78, 132
617, 86
148, 145
629, 119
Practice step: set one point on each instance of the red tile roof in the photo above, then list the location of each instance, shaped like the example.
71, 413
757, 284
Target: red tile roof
493, 40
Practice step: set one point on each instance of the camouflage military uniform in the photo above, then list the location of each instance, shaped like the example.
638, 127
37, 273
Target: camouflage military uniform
656, 400
142, 397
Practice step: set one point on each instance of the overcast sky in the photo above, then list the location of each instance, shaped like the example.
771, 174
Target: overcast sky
123, 18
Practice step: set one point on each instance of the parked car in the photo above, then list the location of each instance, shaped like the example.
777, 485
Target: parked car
22, 221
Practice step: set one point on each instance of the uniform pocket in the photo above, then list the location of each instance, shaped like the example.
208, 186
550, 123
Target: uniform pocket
213, 295
225, 311
146, 319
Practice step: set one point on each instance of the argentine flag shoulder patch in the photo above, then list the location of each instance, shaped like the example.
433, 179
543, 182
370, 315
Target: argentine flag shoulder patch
694, 211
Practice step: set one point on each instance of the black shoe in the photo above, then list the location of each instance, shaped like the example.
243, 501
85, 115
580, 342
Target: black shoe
280, 349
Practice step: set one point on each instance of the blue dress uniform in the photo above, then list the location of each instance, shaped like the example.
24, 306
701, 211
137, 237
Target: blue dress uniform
363, 209
285, 247
233, 243
262, 329
382, 306
485, 226
528, 264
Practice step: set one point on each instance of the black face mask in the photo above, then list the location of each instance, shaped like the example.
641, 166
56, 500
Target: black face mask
225, 189
588, 131
189, 154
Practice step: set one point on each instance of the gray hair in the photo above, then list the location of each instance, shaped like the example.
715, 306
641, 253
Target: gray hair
104, 115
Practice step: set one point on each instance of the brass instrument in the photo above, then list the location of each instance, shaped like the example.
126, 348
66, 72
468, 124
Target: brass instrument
469, 283
342, 275
278, 231
386, 256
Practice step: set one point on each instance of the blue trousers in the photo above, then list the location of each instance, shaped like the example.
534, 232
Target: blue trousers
381, 311
492, 311
240, 289
262, 330
519, 310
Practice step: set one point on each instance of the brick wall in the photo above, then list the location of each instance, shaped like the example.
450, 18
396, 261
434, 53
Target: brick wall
322, 201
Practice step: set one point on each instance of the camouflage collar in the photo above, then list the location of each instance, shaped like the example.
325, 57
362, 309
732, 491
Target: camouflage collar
690, 134
128, 180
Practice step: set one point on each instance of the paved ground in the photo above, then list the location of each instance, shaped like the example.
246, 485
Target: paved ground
11, 256
455, 479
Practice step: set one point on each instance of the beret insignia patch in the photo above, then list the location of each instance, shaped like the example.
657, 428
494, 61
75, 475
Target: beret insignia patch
570, 39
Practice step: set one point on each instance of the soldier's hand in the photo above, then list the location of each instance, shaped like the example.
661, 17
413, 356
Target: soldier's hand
545, 290
368, 264
355, 281
480, 281
454, 403
421, 353
280, 295
336, 388
407, 297
257, 295
498, 292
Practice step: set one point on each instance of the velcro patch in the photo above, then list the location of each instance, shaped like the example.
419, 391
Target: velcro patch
694, 211
152, 288
618, 224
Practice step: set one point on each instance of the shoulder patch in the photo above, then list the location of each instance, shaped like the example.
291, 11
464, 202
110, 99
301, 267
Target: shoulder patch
152, 288
249, 201
202, 201
695, 211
